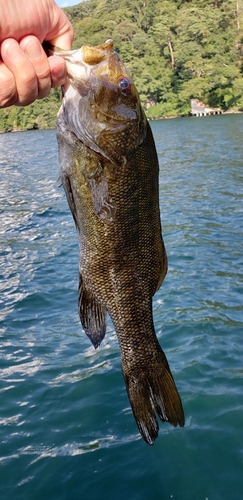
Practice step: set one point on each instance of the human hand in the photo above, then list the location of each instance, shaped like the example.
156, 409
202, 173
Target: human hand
26, 73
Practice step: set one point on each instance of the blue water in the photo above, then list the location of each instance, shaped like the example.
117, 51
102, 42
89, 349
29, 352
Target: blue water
67, 430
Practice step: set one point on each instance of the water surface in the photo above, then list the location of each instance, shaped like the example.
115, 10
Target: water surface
67, 430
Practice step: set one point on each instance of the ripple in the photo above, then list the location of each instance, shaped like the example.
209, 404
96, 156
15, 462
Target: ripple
77, 375
64, 406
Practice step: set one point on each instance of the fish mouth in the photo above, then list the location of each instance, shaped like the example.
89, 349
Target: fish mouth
83, 59
82, 63
86, 54
76, 67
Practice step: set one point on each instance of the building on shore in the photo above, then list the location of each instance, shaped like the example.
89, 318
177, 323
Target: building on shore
198, 108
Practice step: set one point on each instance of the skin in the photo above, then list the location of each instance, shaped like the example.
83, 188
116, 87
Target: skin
26, 73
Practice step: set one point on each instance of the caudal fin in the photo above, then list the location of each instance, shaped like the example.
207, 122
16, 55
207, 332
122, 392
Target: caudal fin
152, 390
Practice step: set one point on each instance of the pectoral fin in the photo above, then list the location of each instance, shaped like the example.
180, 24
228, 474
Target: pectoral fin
92, 315
69, 194
163, 266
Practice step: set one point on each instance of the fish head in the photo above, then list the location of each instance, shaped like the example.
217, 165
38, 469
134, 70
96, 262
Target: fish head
100, 104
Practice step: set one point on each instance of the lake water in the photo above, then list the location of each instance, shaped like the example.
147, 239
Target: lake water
67, 430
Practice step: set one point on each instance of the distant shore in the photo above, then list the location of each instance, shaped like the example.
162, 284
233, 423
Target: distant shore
27, 129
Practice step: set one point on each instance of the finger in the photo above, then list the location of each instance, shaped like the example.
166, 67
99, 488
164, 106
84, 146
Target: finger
36, 55
8, 91
58, 71
23, 71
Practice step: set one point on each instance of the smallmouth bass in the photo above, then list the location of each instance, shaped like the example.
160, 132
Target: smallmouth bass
109, 170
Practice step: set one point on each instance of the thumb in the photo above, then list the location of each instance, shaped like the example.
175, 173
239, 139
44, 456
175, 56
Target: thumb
61, 31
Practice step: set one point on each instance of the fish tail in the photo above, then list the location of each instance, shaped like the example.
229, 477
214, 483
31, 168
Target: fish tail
151, 390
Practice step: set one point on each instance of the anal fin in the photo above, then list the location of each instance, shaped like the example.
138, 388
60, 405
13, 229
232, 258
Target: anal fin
92, 315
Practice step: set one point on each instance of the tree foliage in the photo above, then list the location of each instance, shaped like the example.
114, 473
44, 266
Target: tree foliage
39, 115
174, 49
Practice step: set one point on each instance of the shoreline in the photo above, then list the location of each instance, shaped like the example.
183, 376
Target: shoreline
228, 112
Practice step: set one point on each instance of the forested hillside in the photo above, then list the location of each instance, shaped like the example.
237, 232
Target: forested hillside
175, 50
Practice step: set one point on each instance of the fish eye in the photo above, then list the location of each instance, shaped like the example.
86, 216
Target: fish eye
124, 84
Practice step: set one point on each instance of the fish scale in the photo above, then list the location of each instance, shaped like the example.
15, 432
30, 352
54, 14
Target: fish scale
109, 170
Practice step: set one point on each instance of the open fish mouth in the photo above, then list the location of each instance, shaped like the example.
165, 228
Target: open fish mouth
81, 61
87, 53
83, 65
99, 100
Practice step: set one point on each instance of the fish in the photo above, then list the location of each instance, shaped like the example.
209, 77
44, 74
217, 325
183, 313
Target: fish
109, 170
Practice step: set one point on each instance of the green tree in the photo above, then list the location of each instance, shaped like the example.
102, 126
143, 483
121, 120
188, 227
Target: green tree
174, 49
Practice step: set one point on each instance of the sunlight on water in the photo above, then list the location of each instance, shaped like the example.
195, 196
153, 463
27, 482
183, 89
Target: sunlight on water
60, 398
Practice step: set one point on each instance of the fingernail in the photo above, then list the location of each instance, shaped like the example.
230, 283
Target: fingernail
15, 53
33, 50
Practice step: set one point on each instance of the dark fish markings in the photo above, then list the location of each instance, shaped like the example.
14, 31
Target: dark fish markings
109, 169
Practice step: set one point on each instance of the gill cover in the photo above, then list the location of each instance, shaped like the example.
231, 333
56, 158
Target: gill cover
100, 103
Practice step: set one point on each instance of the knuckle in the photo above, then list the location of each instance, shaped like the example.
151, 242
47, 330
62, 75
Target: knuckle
43, 92
27, 98
28, 81
8, 94
42, 78
6, 101
44, 83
